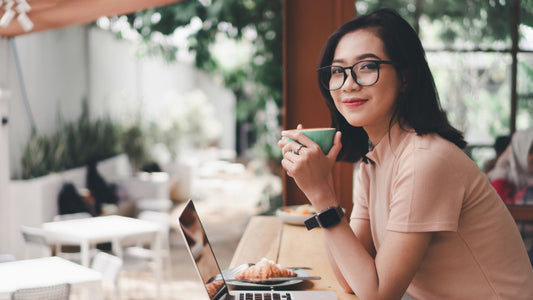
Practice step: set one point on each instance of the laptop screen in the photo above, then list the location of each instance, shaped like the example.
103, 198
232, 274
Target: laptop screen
201, 252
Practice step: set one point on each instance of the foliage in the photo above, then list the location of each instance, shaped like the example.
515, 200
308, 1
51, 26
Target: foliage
134, 145
526, 91
471, 24
77, 143
254, 83
185, 120
475, 21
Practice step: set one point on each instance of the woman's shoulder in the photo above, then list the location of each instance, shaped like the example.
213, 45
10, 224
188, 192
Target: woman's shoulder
432, 148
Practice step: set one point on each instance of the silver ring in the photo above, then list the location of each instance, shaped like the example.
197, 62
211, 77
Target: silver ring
297, 150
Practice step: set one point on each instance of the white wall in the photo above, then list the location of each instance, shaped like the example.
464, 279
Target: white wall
61, 67
124, 86
53, 65
4, 149
54, 73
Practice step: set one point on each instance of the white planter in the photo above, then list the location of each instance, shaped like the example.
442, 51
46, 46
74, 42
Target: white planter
32, 202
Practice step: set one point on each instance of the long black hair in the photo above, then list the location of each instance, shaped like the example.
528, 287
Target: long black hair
417, 106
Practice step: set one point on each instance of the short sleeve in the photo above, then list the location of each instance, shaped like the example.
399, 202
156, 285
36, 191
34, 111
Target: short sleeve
427, 193
360, 207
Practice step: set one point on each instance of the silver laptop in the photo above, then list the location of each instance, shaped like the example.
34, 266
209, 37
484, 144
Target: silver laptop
209, 271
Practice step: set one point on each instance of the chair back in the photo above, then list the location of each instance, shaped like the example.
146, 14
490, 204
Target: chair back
107, 264
33, 235
52, 292
161, 218
80, 215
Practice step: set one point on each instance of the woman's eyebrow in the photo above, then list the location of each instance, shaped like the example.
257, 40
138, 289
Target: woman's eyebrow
359, 57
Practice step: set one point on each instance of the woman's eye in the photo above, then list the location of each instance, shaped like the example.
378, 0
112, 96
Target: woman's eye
336, 71
368, 66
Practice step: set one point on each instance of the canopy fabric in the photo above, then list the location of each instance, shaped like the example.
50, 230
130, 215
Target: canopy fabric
50, 14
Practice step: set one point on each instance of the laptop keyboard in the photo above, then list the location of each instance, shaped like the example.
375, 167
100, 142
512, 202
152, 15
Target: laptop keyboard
262, 296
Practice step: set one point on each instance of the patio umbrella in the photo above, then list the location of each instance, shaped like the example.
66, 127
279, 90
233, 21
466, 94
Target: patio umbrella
49, 14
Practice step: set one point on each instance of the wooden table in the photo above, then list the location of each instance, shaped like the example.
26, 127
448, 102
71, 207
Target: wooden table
521, 212
289, 245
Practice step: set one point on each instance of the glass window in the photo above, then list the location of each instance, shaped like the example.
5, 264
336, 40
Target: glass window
525, 30
466, 25
406, 8
468, 46
474, 91
524, 113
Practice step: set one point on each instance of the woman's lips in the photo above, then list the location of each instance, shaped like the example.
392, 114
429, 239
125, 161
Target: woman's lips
354, 102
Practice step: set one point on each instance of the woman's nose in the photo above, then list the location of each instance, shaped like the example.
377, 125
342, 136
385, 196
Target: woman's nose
351, 82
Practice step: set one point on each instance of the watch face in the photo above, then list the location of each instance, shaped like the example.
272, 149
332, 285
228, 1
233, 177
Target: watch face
328, 218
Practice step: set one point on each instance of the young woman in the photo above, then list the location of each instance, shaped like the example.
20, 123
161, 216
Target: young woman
426, 220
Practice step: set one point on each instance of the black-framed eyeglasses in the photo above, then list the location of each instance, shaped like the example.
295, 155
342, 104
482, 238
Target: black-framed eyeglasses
364, 73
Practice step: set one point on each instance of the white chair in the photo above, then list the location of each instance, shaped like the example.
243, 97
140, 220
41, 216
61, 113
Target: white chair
137, 256
163, 220
35, 237
110, 266
52, 292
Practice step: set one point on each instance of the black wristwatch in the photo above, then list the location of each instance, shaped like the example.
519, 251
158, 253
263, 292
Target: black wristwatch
327, 218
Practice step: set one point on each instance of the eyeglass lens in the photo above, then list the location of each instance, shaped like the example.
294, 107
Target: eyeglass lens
365, 73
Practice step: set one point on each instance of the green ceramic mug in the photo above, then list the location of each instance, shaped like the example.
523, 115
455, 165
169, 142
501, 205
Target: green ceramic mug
322, 136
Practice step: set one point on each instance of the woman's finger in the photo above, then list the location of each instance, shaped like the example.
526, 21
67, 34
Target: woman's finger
291, 147
298, 136
336, 148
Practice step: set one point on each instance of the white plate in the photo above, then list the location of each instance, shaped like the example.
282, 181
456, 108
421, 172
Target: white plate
292, 218
230, 274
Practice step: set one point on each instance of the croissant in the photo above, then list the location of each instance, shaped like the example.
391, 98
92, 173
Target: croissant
265, 269
213, 287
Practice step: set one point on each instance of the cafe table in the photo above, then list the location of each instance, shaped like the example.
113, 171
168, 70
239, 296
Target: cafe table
289, 245
88, 232
49, 271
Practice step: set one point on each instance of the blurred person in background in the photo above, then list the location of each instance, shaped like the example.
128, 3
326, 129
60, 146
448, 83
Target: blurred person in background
500, 144
512, 175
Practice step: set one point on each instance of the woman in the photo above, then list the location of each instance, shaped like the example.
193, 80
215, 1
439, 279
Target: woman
425, 219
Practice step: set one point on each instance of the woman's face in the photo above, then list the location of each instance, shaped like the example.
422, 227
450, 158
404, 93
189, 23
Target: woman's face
369, 107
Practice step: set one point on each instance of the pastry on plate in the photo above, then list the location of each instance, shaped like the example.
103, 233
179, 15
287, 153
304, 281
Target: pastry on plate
264, 270
305, 209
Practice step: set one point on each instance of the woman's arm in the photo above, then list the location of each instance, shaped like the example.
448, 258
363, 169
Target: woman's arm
389, 273
383, 276
361, 228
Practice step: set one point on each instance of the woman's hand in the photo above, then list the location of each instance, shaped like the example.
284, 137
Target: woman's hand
311, 169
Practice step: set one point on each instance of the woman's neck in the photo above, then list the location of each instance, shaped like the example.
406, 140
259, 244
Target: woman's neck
376, 133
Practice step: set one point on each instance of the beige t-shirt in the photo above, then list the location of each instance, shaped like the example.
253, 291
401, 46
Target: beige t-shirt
425, 183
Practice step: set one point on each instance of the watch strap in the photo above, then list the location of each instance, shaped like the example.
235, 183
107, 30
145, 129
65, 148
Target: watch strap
314, 221
311, 222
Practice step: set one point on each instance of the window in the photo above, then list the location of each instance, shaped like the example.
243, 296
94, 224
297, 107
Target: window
483, 72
